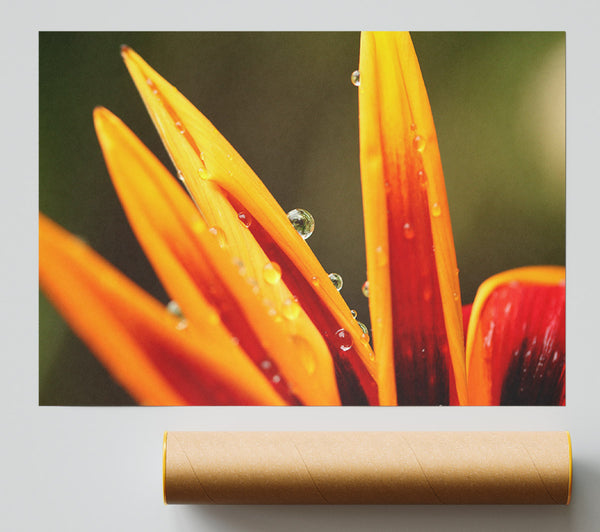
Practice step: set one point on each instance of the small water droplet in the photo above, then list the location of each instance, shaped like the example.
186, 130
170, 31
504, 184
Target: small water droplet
304, 352
180, 127
419, 143
355, 78
436, 210
413, 127
182, 324
422, 177
272, 273
408, 231
314, 280
303, 222
266, 365
381, 256
218, 233
235, 340
203, 173
354, 313
290, 308
245, 218
174, 309
337, 280
272, 312
180, 176
365, 289
455, 295
276, 379
363, 328
342, 339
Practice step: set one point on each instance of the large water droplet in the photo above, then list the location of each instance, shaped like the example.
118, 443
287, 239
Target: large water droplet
365, 289
355, 78
354, 313
272, 273
174, 308
337, 280
342, 339
303, 222
218, 233
363, 328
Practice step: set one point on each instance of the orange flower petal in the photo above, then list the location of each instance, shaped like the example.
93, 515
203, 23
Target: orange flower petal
411, 264
516, 339
199, 273
136, 338
223, 186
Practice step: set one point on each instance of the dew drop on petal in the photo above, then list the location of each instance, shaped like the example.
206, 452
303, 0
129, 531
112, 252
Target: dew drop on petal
174, 309
342, 339
355, 78
365, 289
180, 127
408, 231
290, 308
303, 222
218, 233
419, 143
272, 273
363, 328
354, 313
436, 210
266, 365
337, 280
304, 352
245, 218
413, 127
182, 324
180, 176
276, 379
422, 177
314, 280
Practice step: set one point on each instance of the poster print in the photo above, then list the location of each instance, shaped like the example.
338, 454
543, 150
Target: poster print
246, 305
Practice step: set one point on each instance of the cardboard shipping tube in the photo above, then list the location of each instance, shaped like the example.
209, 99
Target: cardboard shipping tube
367, 467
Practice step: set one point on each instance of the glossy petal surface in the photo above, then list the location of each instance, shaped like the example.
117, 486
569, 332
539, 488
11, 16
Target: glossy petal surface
411, 264
516, 339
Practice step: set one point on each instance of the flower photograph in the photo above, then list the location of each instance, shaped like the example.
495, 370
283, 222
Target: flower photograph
302, 218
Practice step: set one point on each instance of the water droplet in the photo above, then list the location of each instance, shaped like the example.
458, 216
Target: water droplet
180, 176
290, 308
342, 339
218, 233
355, 78
235, 340
422, 177
363, 327
365, 289
314, 280
354, 313
180, 127
245, 218
337, 280
266, 365
276, 379
182, 324
419, 143
304, 352
455, 295
381, 256
413, 127
272, 273
408, 231
436, 210
174, 309
303, 222
203, 173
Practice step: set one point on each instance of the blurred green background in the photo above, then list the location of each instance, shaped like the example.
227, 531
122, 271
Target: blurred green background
285, 102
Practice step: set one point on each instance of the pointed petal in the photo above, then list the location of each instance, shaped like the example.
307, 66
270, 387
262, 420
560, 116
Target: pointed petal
197, 271
516, 339
222, 185
136, 338
411, 264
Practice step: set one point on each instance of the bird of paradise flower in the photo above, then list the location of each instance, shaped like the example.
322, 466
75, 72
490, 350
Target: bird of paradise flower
262, 323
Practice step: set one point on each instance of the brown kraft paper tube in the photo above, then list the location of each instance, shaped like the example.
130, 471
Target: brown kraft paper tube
367, 467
